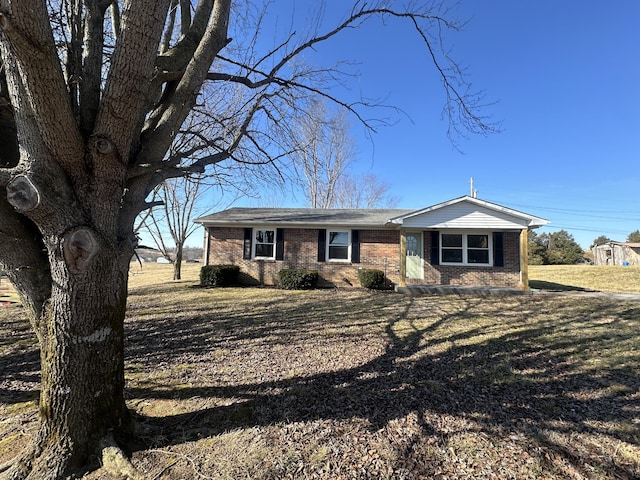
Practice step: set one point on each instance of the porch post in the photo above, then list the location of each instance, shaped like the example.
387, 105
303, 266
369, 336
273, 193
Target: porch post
207, 242
524, 259
403, 258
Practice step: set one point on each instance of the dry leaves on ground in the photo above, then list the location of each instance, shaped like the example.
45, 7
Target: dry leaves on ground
269, 384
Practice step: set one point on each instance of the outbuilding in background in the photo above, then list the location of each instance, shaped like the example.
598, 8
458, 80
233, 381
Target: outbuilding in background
617, 253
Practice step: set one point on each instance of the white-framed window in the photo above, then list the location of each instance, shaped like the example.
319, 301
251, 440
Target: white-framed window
338, 245
264, 243
461, 248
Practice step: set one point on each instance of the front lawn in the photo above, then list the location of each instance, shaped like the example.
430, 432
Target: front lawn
269, 384
600, 278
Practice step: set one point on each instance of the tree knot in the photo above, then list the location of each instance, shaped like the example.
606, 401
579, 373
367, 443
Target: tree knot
79, 246
22, 194
102, 145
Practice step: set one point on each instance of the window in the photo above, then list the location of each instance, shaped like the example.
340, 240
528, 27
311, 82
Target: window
465, 248
411, 246
264, 243
451, 248
338, 245
478, 249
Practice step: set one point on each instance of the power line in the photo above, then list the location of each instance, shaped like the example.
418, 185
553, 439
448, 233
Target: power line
582, 212
601, 231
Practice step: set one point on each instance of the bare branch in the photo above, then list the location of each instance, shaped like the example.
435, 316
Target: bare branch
166, 120
127, 82
114, 10
91, 76
168, 31
26, 33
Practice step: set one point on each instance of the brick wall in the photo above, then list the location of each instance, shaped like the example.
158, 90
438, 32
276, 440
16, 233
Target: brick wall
506, 276
378, 249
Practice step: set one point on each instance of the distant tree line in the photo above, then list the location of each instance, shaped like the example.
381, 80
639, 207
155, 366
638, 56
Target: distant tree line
557, 248
560, 248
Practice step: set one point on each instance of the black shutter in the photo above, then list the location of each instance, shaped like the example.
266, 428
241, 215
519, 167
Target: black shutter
498, 249
322, 245
280, 244
246, 251
355, 246
435, 247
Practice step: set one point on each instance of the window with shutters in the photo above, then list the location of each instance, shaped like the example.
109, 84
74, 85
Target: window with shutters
338, 245
465, 249
264, 241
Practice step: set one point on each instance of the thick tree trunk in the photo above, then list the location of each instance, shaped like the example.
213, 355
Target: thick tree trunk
177, 264
82, 356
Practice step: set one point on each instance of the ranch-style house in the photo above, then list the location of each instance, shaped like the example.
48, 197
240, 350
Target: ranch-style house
461, 242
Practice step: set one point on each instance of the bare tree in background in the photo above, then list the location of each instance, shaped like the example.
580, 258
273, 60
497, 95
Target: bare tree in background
94, 93
364, 191
323, 153
173, 219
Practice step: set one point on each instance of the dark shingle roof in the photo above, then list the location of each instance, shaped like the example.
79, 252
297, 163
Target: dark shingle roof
302, 217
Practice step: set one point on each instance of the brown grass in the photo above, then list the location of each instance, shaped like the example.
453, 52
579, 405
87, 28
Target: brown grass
600, 278
268, 384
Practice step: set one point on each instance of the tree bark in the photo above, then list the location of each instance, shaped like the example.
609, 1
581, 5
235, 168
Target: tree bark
82, 356
177, 263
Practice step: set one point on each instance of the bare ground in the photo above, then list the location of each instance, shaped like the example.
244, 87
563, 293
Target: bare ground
269, 384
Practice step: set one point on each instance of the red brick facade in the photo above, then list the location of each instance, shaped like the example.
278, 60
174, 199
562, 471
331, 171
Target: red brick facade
506, 276
379, 249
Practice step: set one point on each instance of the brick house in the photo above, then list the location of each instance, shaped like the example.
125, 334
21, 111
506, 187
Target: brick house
464, 242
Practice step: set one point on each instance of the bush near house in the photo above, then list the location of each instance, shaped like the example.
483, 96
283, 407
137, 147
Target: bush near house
371, 278
219, 275
297, 279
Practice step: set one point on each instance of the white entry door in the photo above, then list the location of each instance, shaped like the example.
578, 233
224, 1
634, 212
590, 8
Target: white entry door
413, 260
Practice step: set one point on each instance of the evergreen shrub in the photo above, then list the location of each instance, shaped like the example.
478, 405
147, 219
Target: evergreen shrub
297, 279
371, 278
219, 275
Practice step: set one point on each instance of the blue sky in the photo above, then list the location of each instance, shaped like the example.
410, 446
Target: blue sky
566, 79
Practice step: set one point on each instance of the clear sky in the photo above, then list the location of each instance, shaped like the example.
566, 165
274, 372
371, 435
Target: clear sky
566, 78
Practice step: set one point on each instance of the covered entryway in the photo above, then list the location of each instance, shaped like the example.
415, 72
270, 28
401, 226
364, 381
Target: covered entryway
414, 266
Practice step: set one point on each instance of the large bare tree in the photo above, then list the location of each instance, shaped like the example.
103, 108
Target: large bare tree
324, 153
322, 150
93, 95
363, 191
171, 224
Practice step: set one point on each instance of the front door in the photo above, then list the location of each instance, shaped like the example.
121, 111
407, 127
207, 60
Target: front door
413, 259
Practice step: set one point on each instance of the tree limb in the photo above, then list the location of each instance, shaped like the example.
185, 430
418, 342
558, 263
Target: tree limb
193, 31
170, 116
128, 82
24, 259
92, 64
26, 33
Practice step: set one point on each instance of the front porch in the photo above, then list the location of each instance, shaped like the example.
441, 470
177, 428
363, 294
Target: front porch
413, 290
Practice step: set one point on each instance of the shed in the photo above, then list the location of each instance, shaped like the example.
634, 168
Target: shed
617, 253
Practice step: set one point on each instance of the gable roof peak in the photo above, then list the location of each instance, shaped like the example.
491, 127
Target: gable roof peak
529, 221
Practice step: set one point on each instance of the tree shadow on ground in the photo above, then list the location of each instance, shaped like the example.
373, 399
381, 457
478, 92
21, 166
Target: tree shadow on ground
469, 357
532, 366
556, 287
19, 358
